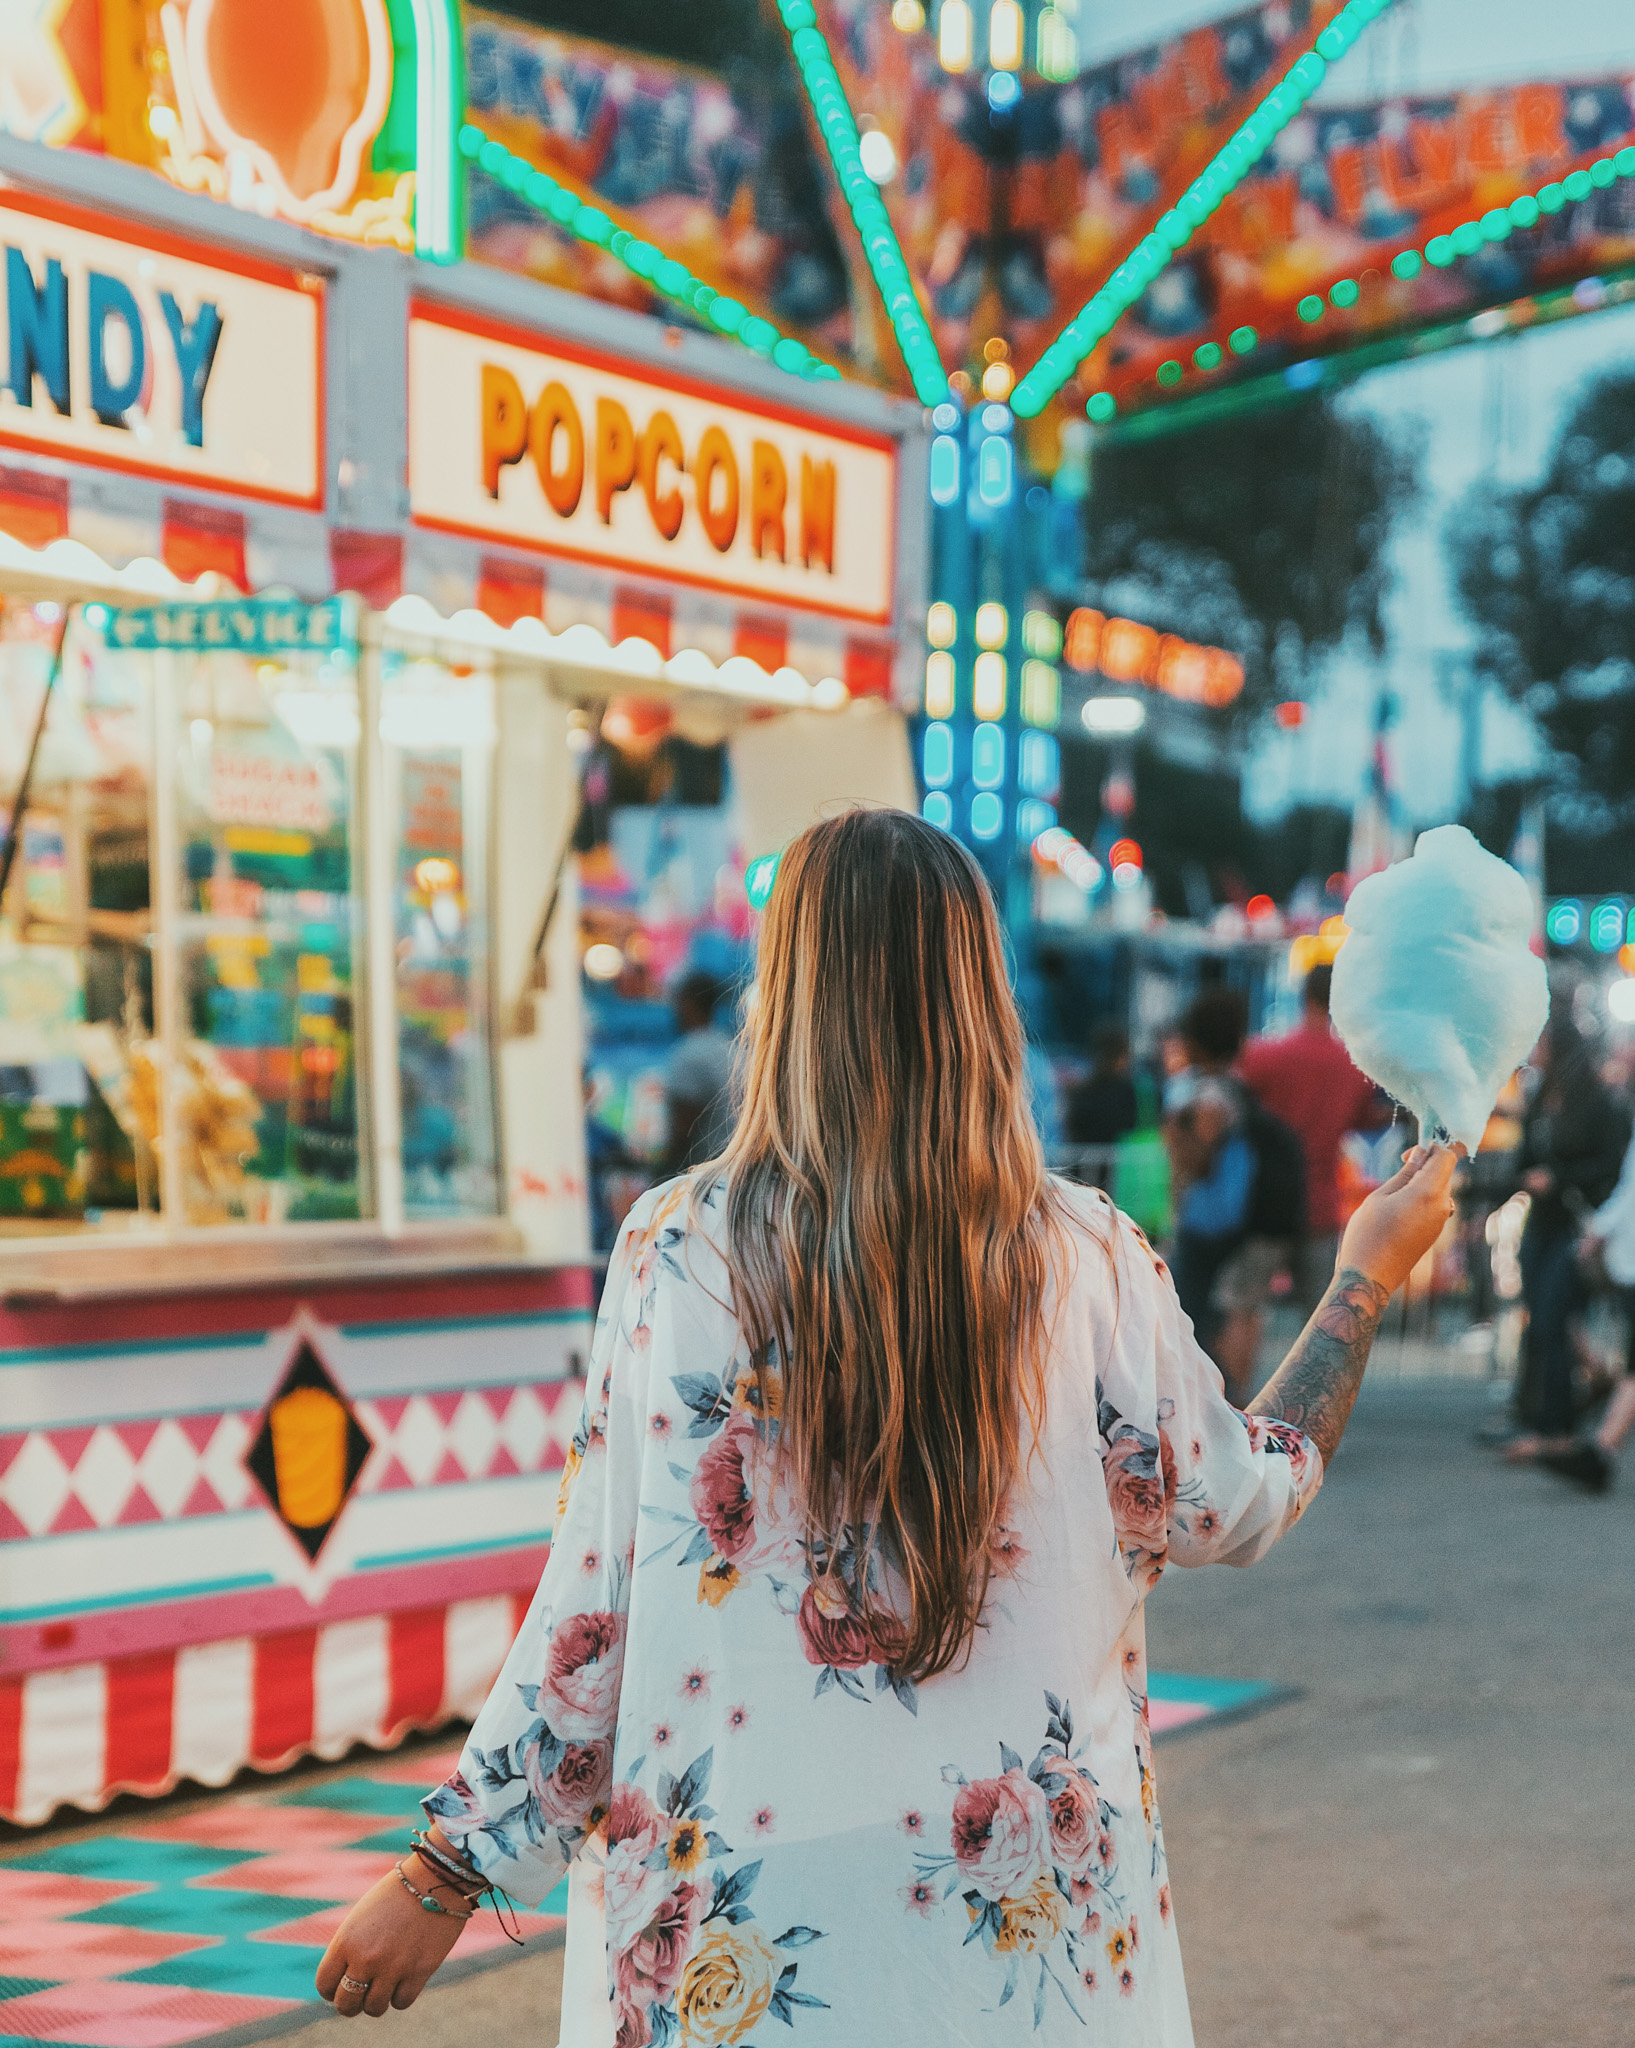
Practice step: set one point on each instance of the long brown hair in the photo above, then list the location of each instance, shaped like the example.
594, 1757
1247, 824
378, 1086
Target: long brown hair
890, 1229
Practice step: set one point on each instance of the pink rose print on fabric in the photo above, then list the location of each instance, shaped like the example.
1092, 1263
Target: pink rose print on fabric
580, 1696
1075, 1824
568, 1794
631, 1891
1001, 1833
720, 1491
1030, 1852
838, 1640
1135, 1491
647, 1972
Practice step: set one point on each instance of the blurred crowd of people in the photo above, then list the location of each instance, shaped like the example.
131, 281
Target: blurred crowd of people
1256, 1130
1261, 1179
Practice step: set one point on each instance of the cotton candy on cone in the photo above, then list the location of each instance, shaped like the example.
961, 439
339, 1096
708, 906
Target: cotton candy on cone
1437, 993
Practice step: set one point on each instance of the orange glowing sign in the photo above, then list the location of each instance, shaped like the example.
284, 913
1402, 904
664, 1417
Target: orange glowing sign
1128, 652
518, 439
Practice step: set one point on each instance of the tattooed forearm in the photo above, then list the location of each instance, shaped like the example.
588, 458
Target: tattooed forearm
1316, 1386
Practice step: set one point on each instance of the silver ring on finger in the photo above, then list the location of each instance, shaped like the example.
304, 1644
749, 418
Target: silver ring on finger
353, 1984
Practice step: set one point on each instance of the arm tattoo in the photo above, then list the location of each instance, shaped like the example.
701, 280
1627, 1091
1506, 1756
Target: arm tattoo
1316, 1385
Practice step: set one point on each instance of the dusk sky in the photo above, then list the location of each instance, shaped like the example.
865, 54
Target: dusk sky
1486, 411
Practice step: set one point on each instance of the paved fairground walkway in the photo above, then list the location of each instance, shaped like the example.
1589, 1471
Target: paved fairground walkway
1401, 1812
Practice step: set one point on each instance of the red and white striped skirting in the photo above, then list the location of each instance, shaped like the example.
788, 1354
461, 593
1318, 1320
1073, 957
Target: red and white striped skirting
78, 1734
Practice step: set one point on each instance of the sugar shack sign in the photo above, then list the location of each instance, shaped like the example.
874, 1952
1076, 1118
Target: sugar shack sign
145, 353
516, 439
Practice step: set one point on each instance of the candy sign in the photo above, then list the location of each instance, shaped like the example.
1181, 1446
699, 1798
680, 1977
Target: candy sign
134, 353
515, 439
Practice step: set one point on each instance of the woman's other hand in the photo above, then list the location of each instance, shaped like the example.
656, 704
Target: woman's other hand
1401, 1220
388, 1943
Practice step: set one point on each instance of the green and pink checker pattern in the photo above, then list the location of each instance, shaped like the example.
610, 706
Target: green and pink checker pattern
209, 1922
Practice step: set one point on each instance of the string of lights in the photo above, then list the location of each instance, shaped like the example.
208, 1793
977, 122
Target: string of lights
1157, 248
881, 248
661, 273
1468, 239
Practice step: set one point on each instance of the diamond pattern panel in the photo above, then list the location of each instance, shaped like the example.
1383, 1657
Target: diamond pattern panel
119, 1474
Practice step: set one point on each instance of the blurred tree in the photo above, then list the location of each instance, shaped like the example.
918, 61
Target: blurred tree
1265, 533
1547, 576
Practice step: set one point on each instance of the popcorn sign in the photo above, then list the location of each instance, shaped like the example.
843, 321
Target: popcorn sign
541, 445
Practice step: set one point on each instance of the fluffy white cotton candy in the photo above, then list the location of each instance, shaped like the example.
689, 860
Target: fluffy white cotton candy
1436, 992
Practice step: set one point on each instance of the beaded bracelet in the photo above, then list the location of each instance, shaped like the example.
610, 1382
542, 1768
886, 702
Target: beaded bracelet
428, 1903
429, 1853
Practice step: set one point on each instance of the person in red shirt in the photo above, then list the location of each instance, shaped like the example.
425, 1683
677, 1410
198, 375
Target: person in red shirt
1307, 1080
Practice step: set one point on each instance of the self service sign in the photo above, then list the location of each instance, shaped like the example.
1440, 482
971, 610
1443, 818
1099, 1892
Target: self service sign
137, 351
518, 439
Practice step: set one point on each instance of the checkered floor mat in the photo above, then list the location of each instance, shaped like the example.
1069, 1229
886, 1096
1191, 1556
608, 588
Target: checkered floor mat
209, 1922
212, 1922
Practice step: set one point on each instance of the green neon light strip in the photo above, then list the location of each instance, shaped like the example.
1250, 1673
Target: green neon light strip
1256, 393
1467, 239
439, 215
880, 245
1153, 253
660, 273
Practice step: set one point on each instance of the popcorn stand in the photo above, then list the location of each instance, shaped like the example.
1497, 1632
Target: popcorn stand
294, 1255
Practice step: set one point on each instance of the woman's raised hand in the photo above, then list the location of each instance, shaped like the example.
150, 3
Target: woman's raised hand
1403, 1217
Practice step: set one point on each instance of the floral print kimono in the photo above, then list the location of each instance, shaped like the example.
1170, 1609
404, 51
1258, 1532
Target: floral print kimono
765, 1825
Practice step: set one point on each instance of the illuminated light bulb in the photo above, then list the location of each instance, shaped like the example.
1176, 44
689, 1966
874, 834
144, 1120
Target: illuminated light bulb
878, 158
908, 15
1042, 634
1101, 407
939, 685
937, 757
1440, 251
943, 482
938, 810
992, 625
996, 349
942, 624
1409, 263
1524, 211
1496, 224
1621, 1001
1551, 198
1607, 926
1207, 355
987, 816
1007, 35
955, 35
1345, 293
988, 686
1310, 308
997, 380
988, 756
1113, 717
1038, 763
1056, 46
1602, 173
1564, 925
1041, 694
758, 879
603, 962
1169, 373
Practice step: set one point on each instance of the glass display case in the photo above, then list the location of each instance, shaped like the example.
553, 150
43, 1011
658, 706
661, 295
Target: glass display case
242, 820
